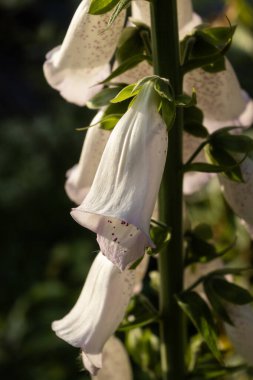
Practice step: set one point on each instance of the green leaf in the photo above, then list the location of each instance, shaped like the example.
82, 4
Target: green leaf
205, 48
108, 122
103, 97
98, 7
163, 88
215, 300
130, 41
121, 4
168, 113
160, 235
126, 65
193, 122
231, 292
203, 167
199, 313
215, 67
234, 143
225, 161
186, 100
126, 93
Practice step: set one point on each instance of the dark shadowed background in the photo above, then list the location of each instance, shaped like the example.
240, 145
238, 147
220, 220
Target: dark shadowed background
45, 255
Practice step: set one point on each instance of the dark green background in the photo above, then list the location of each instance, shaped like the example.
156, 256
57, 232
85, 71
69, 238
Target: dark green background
45, 255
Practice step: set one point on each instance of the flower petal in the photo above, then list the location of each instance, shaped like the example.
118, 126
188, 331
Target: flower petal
82, 61
240, 195
98, 311
220, 97
124, 191
116, 364
241, 334
80, 177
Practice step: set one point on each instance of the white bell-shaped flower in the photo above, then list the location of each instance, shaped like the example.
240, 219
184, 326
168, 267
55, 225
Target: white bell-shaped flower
80, 177
98, 311
116, 363
220, 97
82, 61
122, 197
241, 333
239, 195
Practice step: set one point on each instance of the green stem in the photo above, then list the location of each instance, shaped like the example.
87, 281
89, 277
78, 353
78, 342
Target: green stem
165, 41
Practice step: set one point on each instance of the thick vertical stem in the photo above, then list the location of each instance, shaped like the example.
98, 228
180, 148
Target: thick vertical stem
167, 64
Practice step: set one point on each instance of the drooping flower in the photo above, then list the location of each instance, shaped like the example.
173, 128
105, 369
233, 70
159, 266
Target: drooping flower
97, 312
241, 333
122, 197
116, 364
220, 97
239, 195
82, 61
80, 177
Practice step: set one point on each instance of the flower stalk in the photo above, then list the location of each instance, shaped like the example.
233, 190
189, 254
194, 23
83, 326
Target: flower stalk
165, 41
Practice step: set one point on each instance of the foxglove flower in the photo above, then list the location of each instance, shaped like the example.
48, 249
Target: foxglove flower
82, 61
122, 197
116, 364
241, 333
98, 311
220, 97
80, 177
239, 195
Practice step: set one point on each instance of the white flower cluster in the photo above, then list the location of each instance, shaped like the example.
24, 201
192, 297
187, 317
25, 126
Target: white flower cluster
116, 182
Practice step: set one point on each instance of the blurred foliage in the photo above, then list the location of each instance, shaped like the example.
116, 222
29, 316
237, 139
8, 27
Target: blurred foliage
45, 256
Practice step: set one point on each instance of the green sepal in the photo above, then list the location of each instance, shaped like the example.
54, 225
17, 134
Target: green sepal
126, 65
130, 41
231, 292
193, 122
199, 313
215, 67
103, 98
215, 300
108, 122
140, 312
98, 7
120, 5
160, 235
204, 167
205, 47
113, 113
186, 100
233, 143
230, 167
126, 93
168, 112
163, 87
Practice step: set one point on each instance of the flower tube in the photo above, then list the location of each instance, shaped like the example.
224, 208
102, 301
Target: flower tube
75, 67
97, 312
80, 177
116, 364
122, 197
239, 195
241, 333
220, 97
